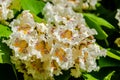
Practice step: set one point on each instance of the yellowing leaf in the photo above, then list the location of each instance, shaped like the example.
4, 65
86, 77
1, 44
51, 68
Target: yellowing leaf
15, 5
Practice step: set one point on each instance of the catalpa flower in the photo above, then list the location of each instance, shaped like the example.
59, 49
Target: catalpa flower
117, 16
5, 12
65, 42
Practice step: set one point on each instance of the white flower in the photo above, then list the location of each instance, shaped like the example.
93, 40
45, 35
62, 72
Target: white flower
117, 16
63, 43
5, 12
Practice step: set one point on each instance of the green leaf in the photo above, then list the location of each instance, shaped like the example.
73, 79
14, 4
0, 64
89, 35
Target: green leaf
34, 6
4, 49
1, 61
111, 60
4, 31
4, 58
89, 77
112, 55
92, 24
108, 77
99, 21
116, 52
38, 19
4, 53
108, 62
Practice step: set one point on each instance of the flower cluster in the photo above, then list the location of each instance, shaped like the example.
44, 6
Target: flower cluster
5, 12
118, 16
42, 50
